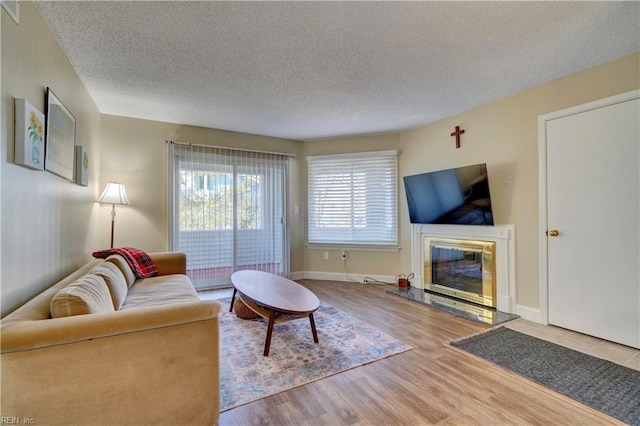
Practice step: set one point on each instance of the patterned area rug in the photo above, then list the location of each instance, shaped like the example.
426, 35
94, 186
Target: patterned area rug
294, 360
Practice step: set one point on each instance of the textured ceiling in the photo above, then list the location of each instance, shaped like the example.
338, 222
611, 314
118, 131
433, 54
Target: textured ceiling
313, 70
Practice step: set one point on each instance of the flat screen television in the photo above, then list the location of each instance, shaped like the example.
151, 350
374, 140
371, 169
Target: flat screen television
458, 196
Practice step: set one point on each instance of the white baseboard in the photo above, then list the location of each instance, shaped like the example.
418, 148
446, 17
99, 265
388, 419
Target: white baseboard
528, 313
337, 276
298, 275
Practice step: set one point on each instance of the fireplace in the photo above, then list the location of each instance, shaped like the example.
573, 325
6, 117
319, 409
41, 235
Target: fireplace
463, 269
484, 257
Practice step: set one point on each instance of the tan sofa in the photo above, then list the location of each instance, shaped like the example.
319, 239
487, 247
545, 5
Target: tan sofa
154, 359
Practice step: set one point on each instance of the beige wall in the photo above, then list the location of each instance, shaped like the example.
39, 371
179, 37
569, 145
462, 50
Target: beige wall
46, 220
134, 152
504, 134
50, 225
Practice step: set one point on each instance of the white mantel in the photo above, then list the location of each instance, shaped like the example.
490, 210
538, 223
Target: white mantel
505, 258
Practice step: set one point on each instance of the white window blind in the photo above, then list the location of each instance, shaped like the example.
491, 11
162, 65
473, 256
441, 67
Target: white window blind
227, 210
353, 198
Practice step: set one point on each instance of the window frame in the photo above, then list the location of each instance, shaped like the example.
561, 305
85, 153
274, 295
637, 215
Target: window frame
356, 160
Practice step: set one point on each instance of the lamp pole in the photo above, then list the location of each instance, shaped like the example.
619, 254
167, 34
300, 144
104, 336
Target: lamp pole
113, 221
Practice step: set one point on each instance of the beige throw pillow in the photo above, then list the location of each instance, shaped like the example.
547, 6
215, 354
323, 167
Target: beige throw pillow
121, 263
87, 295
115, 280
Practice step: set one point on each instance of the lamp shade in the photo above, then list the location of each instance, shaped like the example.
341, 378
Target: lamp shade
114, 193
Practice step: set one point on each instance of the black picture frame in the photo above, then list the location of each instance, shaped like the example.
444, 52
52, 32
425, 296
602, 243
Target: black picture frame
60, 137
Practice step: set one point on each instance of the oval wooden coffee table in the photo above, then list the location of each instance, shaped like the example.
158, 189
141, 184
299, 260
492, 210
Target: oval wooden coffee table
275, 298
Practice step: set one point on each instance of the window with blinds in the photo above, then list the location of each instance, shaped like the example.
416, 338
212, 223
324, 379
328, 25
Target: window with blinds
353, 199
227, 211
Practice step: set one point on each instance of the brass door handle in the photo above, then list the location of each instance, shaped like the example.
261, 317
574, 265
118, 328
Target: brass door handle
554, 233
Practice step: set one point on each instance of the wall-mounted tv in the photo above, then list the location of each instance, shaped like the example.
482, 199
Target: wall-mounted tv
458, 196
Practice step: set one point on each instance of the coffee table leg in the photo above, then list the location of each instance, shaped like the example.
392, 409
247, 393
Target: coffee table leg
313, 328
267, 343
233, 299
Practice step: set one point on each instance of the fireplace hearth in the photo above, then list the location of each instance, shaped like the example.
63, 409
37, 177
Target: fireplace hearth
458, 307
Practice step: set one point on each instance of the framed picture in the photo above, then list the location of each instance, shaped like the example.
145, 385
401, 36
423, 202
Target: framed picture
11, 6
82, 166
29, 136
60, 137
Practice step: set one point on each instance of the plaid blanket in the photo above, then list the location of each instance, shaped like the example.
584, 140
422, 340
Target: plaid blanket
139, 261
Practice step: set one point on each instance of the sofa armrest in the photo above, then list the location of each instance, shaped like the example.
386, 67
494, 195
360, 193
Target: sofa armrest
26, 335
170, 262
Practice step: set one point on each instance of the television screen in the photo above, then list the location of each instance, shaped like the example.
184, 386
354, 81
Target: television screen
457, 196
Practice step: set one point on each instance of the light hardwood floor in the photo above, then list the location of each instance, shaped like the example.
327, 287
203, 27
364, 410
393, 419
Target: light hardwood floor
431, 384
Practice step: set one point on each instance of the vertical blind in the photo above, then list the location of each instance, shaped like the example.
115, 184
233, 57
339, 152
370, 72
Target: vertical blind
353, 198
227, 211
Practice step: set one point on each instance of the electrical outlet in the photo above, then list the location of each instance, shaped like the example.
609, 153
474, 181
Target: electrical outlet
326, 255
344, 255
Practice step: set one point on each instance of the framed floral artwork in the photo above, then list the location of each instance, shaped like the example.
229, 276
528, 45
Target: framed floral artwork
29, 135
60, 138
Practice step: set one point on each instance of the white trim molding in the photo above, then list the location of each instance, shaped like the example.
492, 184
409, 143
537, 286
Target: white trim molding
503, 235
529, 313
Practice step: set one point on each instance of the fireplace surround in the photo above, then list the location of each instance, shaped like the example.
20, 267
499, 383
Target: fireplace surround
497, 275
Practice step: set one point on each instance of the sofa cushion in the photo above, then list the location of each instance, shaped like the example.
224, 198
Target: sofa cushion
115, 280
87, 295
160, 290
121, 263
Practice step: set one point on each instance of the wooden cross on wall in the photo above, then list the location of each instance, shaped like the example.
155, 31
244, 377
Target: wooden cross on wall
457, 134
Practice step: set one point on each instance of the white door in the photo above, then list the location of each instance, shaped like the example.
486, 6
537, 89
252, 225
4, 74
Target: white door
593, 202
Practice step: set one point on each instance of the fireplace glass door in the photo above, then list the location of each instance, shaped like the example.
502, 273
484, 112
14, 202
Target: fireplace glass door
461, 268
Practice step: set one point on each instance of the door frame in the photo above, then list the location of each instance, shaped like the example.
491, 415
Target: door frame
542, 186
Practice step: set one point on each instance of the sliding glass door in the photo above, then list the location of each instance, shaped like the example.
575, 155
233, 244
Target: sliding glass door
227, 212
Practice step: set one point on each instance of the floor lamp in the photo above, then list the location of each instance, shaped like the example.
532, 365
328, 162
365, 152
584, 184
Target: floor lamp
114, 194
